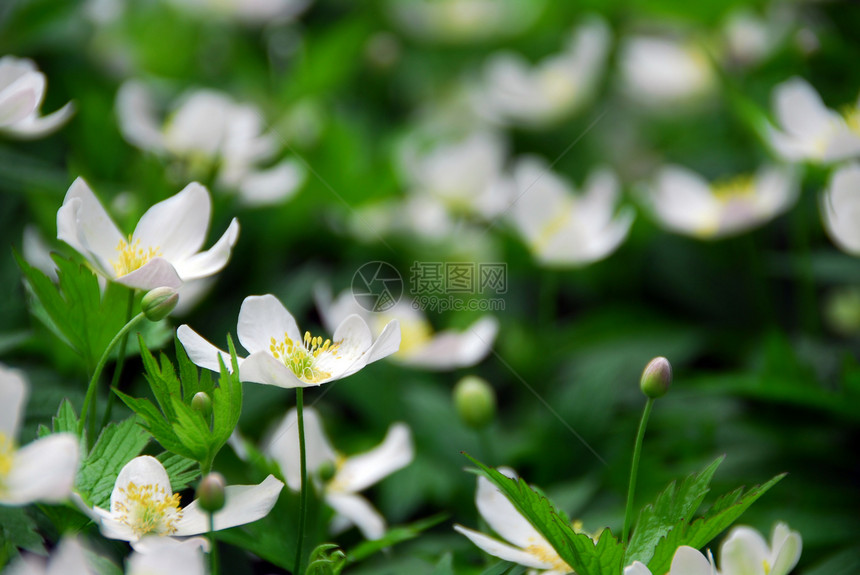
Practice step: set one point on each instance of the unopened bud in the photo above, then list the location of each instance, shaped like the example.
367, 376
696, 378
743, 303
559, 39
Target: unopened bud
326, 471
656, 378
158, 303
202, 403
475, 401
210, 492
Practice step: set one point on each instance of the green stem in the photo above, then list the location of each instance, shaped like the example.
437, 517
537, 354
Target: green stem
303, 500
213, 548
634, 470
120, 361
90, 398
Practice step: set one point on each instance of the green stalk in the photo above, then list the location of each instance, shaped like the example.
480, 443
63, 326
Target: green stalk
303, 500
634, 470
213, 548
120, 361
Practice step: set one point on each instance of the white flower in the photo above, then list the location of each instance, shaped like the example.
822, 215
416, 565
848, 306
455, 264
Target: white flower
514, 92
164, 249
840, 208
155, 555
280, 356
525, 545
69, 558
562, 228
209, 129
808, 130
350, 474
750, 39
685, 202
247, 11
419, 346
143, 504
745, 552
686, 561
45, 469
22, 89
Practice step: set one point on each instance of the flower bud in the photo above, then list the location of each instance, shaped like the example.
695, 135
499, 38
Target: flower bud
203, 403
475, 401
656, 378
159, 302
210, 492
326, 471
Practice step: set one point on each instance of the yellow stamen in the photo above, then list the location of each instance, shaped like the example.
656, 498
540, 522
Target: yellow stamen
302, 358
766, 566
742, 186
148, 509
132, 257
7, 456
852, 118
414, 334
548, 555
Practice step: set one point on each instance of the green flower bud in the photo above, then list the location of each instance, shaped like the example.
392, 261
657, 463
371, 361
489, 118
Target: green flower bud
326, 471
842, 311
158, 303
475, 401
656, 378
210, 492
203, 403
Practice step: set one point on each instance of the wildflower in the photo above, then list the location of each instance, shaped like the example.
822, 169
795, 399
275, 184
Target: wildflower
840, 208
246, 11
168, 556
686, 561
281, 356
745, 551
43, 470
164, 249
22, 89
340, 478
68, 558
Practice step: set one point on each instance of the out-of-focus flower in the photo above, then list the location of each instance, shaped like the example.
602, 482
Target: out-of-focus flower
660, 72
45, 469
745, 552
280, 356
22, 89
164, 249
209, 130
247, 11
419, 346
750, 39
514, 92
561, 227
808, 130
37, 252
840, 208
340, 478
686, 561
155, 555
686, 203
69, 558
525, 545
143, 504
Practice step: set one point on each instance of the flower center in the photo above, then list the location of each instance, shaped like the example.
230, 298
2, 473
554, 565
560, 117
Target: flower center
148, 509
739, 187
852, 118
7, 456
132, 257
302, 358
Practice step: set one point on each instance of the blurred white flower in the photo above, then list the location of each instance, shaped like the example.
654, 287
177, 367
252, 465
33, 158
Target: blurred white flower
686, 561
840, 208
525, 546
68, 558
808, 130
684, 202
164, 249
22, 89
660, 72
340, 478
247, 11
561, 227
745, 552
43, 470
513, 92
750, 39
142, 504
37, 252
208, 129
280, 356
419, 346
155, 555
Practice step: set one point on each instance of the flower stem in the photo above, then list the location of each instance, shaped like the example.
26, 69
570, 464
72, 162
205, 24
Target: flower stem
213, 548
634, 470
90, 398
120, 361
303, 500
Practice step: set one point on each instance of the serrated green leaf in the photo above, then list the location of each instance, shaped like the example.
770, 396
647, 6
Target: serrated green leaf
226, 401
182, 471
188, 375
393, 536
162, 380
66, 419
153, 421
17, 529
192, 430
326, 559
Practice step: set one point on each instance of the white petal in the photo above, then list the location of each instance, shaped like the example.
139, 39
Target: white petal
137, 120
44, 470
242, 504
212, 260
683, 202
201, 352
157, 272
69, 558
21, 98
34, 126
354, 340
786, 546
261, 367
501, 515
263, 317
37, 252
387, 343
361, 471
454, 349
142, 470
689, 561
167, 556
501, 550
111, 527
637, 568
267, 187
800, 110
13, 396
744, 552
358, 511
177, 225
840, 208
283, 446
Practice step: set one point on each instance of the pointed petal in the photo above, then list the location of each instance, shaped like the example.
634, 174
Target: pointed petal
157, 272
800, 109
682, 201
44, 470
268, 187
358, 511
177, 225
689, 561
13, 396
361, 471
142, 470
501, 515
283, 446
743, 552
452, 349
168, 556
786, 546
212, 260
137, 119
501, 550
35, 126
387, 343
840, 208
21, 98
200, 351
354, 340
243, 504
261, 367
263, 317
637, 568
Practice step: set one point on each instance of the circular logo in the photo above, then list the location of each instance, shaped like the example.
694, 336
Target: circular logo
377, 286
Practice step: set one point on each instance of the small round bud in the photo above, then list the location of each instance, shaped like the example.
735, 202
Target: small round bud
326, 471
159, 302
475, 401
203, 403
842, 311
656, 378
210, 492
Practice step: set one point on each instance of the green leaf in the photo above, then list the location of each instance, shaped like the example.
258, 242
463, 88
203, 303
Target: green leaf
504, 568
66, 419
226, 401
192, 430
17, 529
393, 536
153, 421
326, 559
191, 383
182, 471
445, 566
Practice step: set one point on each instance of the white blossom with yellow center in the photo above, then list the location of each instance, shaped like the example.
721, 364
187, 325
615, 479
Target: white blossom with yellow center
338, 477
164, 249
744, 550
279, 355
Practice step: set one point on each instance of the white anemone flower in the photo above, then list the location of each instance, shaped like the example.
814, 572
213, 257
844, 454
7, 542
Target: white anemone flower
808, 130
745, 551
43, 470
68, 558
525, 546
420, 347
155, 555
751, 39
686, 203
281, 356
143, 504
164, 249
22, 89
686, 561
840, 208
345, 476
563, 228
516, 93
